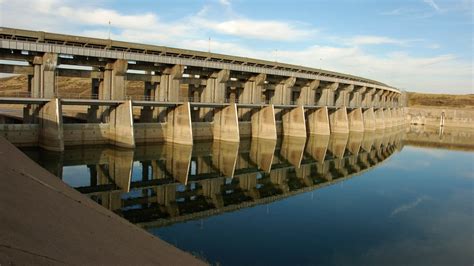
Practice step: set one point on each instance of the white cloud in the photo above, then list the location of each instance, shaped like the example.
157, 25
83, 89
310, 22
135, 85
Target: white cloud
257, 29
411, 205
224, 2
433, 5
375, 40
438, 73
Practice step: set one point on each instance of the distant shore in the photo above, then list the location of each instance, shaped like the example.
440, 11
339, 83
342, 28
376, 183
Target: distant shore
447, 110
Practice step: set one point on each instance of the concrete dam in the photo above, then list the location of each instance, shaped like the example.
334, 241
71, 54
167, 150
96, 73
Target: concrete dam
188, 95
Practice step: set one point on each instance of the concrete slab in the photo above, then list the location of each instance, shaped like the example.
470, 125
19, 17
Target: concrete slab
44, 221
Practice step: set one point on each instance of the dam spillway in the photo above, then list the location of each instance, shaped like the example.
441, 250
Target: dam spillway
187, 95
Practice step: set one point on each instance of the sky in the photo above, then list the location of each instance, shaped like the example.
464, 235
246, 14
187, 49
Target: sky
414, 45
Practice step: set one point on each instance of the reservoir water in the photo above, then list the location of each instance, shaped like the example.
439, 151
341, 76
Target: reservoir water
397, 197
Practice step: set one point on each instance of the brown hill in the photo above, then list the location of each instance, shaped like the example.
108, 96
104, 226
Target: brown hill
465, 101
11, 86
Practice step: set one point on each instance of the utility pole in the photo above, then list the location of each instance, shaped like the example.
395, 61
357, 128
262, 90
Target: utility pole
209, 45
109, 29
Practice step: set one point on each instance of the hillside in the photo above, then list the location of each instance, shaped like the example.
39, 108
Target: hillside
12, 85
465, 101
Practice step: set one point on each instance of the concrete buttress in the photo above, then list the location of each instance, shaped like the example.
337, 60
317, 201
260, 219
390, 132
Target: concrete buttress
251, 93
226, 124
294, 123
318, 121
179, 127
214, 92
338, 121
308, 93
51, 126
121, 125
263, 123
356, 120
369, 119
168, 90
379, 119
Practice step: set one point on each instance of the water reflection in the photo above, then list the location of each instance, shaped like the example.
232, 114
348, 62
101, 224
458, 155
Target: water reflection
163, 184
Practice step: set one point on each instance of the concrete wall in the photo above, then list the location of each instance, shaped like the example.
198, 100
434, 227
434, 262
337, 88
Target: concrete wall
432, 117
442, 137
149, 132
20, 134
85, 134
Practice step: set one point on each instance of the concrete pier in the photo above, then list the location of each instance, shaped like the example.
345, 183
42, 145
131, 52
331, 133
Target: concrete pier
356, 120
294, 123
369, 119
178, 126
226, 124
379, 119
263, 123
318, 121
338, 121
121, 126
51, 126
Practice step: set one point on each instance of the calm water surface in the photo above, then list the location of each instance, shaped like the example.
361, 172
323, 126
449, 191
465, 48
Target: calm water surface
358, 200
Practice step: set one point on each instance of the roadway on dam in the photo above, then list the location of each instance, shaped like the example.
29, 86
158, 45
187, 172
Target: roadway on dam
44, 221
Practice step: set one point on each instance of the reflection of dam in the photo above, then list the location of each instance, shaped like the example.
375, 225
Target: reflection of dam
158, 185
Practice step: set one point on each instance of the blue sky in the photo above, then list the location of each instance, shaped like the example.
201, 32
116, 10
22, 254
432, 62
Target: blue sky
417, 45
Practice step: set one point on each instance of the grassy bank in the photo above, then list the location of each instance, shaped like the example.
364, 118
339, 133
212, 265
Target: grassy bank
465, 101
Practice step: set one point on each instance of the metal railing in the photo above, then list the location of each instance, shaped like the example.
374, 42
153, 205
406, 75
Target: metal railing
70, 95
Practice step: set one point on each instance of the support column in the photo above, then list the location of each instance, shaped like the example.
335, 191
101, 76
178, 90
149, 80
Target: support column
342, 92
121, 126
384, 98
252, 93
93, 110
369, 119
377, 100
168, 90
327, 94
178, 126
44, 85
214, 92
355, 98
379, 119
367, 97
318, 121
356, 120
294, 123
113, 86
387, 113
263, 123
283, 95
226, 124
283, 91
51, 126
338, 121
308, 93
151, 88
